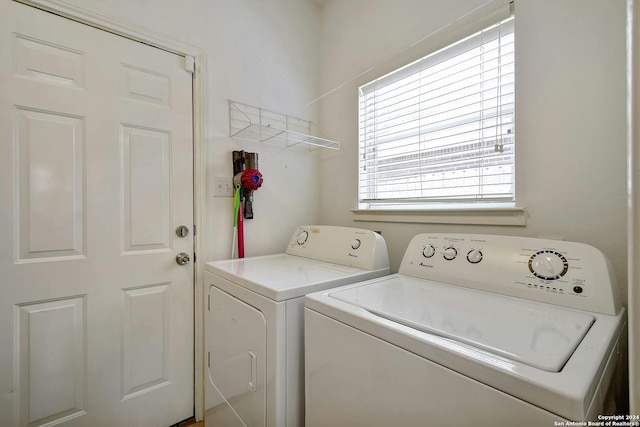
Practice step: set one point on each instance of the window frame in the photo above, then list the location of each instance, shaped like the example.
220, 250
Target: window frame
502, 213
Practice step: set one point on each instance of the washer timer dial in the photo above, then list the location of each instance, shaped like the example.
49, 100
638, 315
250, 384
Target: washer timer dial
548, 265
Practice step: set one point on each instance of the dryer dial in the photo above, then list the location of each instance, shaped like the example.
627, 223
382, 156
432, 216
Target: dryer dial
548, 265
302, 237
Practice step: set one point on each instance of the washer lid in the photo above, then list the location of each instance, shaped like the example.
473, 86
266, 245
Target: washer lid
538, 335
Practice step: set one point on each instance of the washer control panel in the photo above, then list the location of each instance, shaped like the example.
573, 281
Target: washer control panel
352, 247
570, 274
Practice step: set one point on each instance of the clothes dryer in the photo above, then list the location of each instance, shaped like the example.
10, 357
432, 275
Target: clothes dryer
255, 321
473, 330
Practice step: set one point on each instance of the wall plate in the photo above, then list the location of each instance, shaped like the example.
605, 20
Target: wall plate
223, 187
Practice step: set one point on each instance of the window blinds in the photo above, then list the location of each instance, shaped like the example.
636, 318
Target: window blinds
442, 128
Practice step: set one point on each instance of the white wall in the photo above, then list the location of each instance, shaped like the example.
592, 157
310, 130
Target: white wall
570, 113
263, 53
280, 54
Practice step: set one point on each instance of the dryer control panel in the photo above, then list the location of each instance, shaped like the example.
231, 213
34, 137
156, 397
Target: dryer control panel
569, 274
353, 247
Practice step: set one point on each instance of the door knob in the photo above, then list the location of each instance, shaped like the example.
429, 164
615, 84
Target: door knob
182, 258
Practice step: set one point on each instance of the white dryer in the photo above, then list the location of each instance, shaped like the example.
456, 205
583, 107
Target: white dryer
255, 321
474, 330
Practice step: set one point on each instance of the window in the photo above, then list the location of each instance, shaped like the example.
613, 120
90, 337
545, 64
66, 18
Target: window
440, 131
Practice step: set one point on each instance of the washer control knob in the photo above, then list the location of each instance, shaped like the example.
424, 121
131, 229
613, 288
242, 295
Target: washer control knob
302, 237
450, 253
474, 256
548, 265
428, 251
355, 244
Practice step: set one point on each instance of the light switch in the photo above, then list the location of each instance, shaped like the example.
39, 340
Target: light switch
223, 187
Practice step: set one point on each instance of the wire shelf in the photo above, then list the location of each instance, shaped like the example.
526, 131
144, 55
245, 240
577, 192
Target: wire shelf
264, 126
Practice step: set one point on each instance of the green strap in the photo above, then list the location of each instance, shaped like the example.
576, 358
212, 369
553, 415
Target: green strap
236, 205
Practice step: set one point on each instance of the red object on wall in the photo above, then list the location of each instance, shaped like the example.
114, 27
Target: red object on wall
251, 179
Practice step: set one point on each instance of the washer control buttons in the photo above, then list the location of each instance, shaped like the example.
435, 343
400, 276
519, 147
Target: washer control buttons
450, 253
474, 256
428, 251
577, 289
548, 265
355, 244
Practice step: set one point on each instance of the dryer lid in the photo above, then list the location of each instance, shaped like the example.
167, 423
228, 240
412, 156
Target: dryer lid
539, 335
282, 276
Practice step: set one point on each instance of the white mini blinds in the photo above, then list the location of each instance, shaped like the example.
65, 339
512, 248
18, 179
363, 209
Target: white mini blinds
442, 128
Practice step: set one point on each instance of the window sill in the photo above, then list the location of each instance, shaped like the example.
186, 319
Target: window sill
513, 216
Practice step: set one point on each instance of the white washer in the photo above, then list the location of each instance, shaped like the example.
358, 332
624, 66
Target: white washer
474, 330
255, 321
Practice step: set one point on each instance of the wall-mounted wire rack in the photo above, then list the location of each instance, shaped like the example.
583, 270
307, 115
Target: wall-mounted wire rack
259, 125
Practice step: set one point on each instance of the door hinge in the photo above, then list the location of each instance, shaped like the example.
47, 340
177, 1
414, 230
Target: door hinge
190, 64
195, 230
208, 358
208, 302
194, 257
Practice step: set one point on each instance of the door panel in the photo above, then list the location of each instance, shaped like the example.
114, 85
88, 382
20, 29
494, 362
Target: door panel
96, 155
41, 60
51, 359
146, 339
145, 85
146, 184
49, 185
238, 351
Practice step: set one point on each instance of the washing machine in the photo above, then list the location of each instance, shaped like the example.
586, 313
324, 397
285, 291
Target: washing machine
473, 330
255, 321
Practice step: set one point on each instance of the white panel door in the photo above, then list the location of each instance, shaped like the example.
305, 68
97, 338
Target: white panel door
96, 316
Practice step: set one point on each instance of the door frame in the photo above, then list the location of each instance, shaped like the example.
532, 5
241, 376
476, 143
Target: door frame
139, 34
633, 209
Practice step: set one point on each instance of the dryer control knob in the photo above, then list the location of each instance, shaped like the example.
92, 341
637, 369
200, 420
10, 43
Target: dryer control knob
450, 253
302, 237
356, 244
